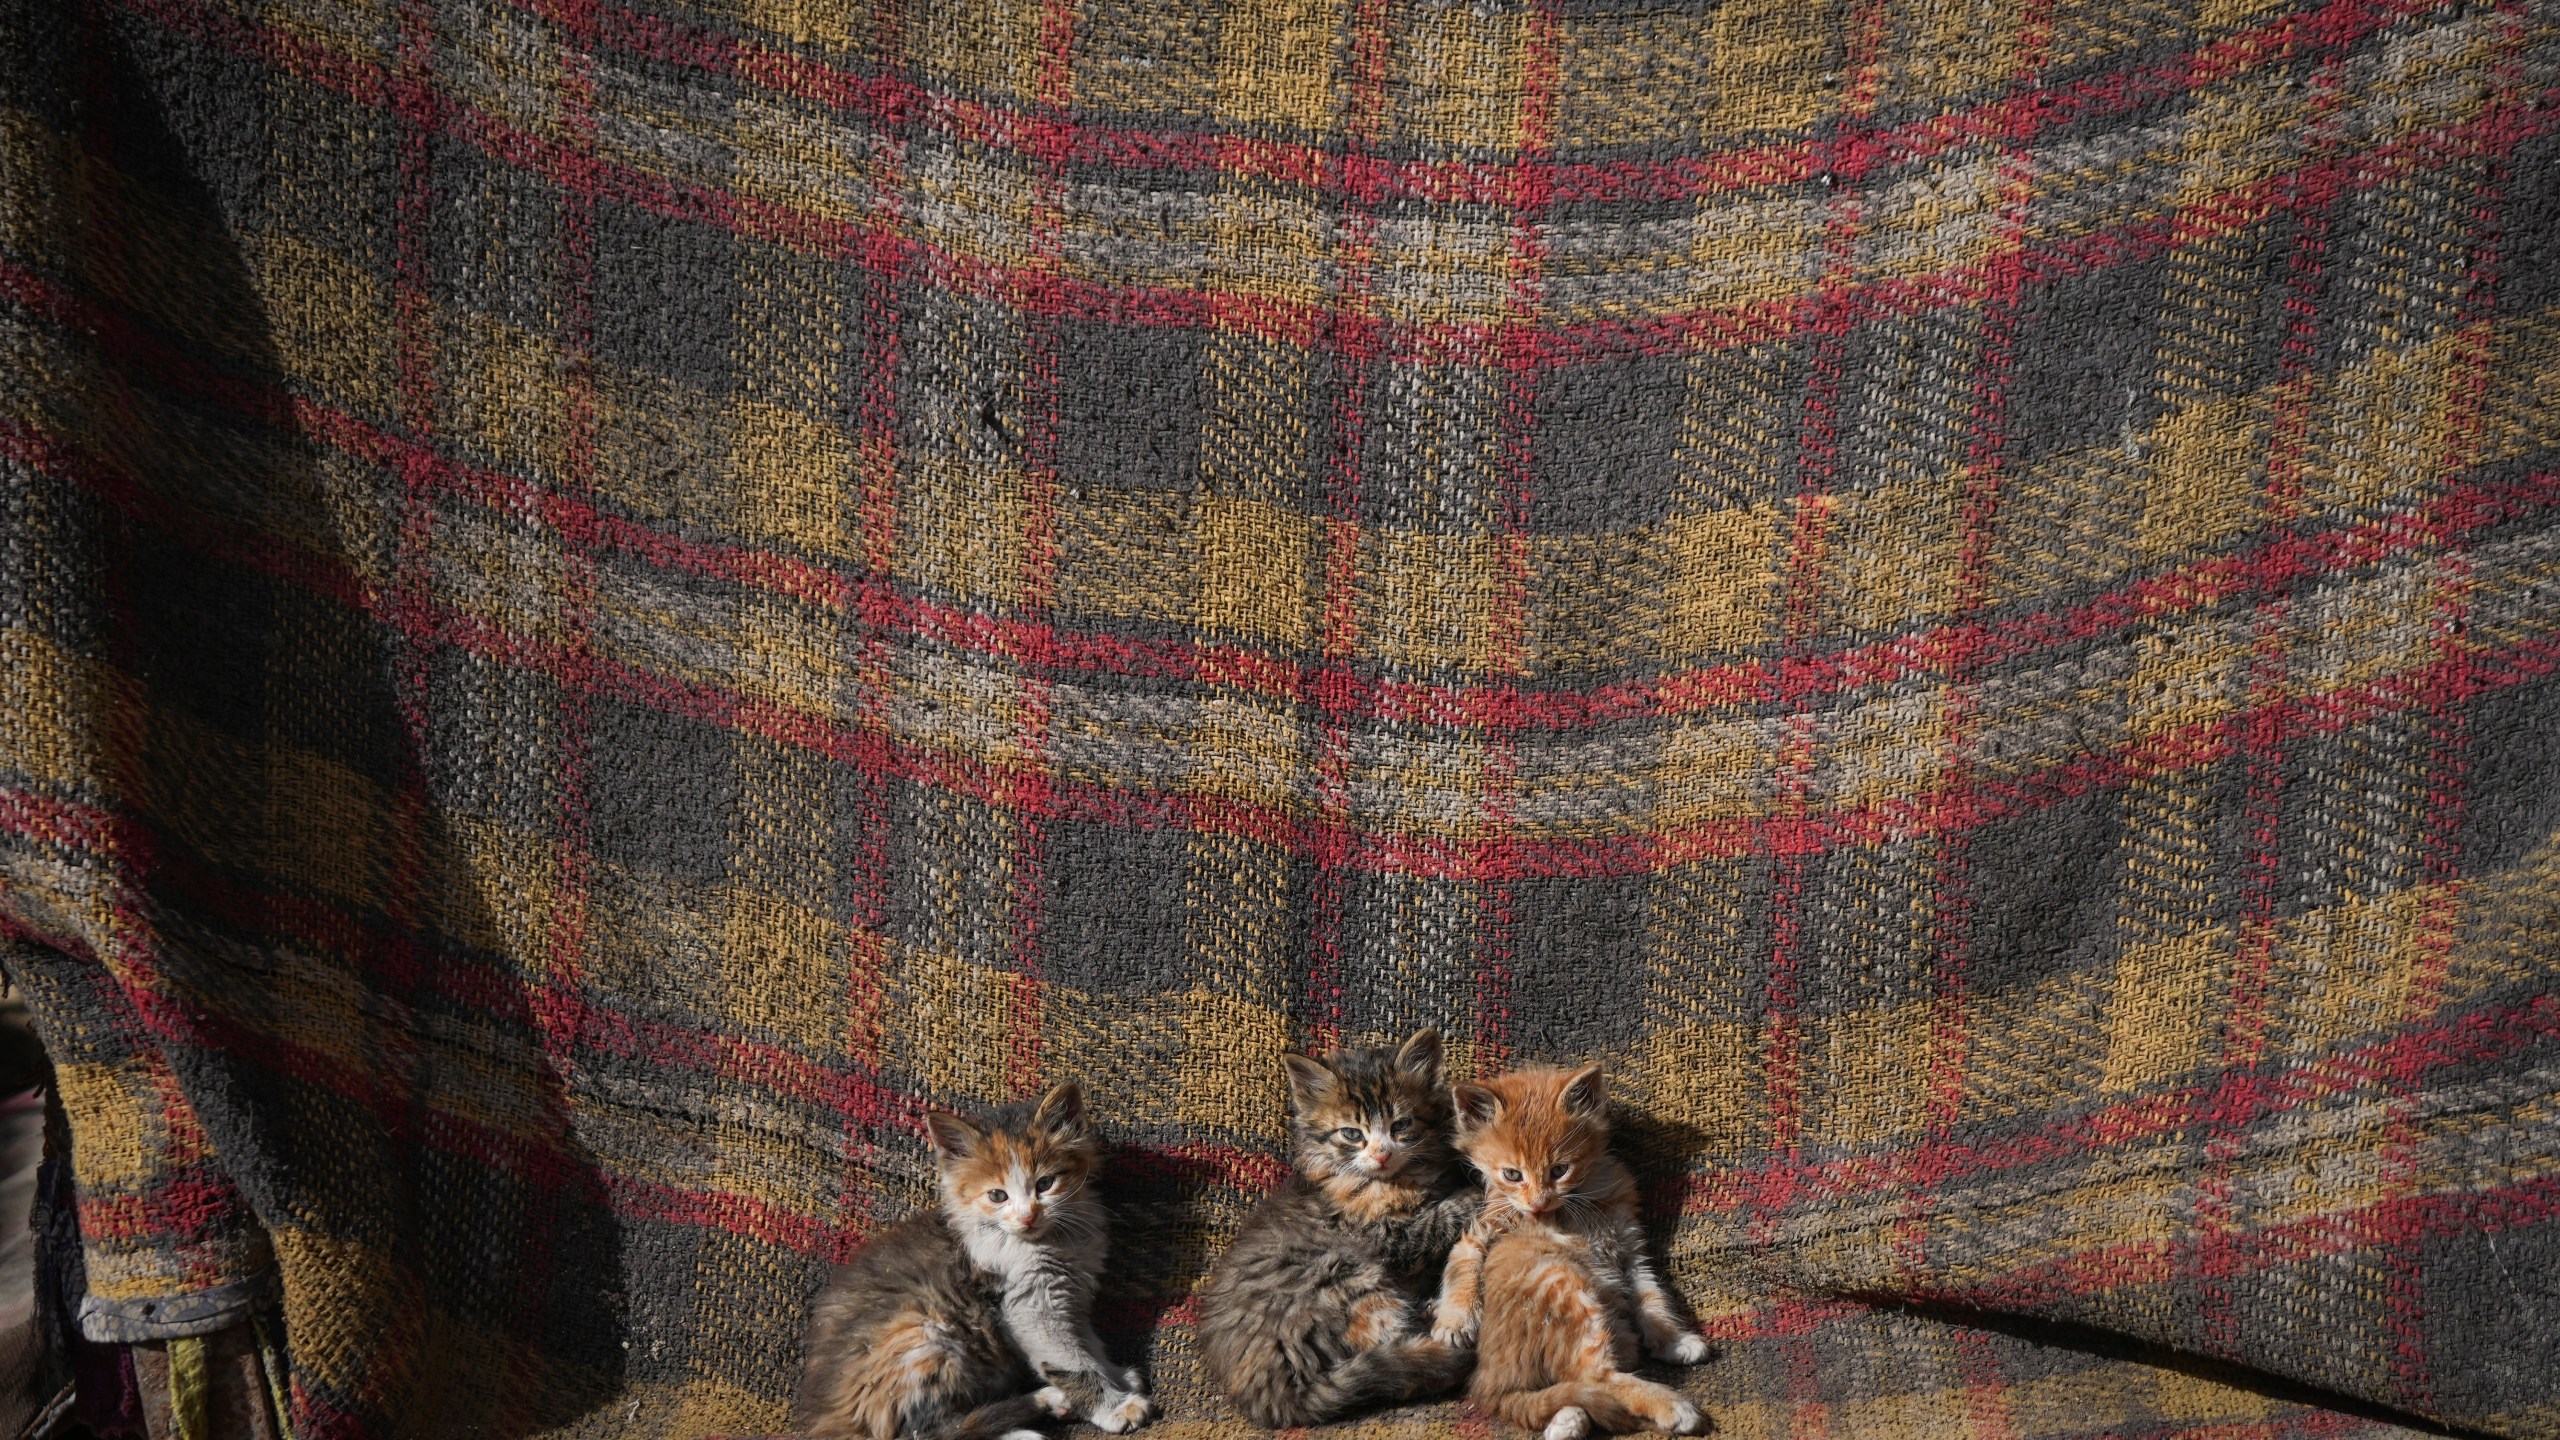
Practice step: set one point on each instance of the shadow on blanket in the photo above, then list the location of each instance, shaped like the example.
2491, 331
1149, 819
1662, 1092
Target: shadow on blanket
388, 1093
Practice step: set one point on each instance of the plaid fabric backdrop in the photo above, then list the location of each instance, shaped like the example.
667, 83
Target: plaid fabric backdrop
600, 599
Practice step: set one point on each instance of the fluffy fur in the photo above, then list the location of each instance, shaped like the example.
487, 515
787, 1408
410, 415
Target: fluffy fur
934, 1331
1556, 1268
1310, 1316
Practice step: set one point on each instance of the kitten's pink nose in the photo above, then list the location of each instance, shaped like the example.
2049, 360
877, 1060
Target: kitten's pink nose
1378, 1155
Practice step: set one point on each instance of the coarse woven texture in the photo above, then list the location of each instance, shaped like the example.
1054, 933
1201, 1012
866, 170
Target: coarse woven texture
601, 599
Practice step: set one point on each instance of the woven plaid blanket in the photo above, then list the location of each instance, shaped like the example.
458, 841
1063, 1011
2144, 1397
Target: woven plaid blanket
600, 600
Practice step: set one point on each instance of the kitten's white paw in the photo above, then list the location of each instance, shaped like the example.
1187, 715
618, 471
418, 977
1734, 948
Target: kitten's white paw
1685, 1419
1454, 1328
1055, 1401
1687, 1349
1022, 1435
1125, 1415
1570, 1423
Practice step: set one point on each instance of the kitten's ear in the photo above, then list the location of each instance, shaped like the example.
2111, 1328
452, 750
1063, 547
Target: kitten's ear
1420, 1057
1309, 1080
953, 1137
1585, 1095
1061, 1111
1476, 1104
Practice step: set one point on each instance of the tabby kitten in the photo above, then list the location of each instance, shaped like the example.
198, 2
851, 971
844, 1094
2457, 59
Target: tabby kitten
1566, 1287
934, 1330
1310, 1315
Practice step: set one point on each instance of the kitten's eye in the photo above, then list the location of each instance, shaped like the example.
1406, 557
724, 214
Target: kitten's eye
1351, 1135
1511, 1175
995, 1197
1558, 1172
1402, 1129
1044, 1183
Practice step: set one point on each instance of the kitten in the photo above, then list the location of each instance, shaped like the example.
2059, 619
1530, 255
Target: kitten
1566, 1287
933, 1331
1310, 1314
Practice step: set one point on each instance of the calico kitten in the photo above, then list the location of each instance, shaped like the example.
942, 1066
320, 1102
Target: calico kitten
934, 1329
1310, 1314
1566, 1287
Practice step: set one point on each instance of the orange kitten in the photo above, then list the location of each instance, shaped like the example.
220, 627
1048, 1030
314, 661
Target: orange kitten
1556, 1265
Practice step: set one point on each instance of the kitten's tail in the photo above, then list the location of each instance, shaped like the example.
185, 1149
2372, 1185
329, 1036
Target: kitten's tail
1615, 1405
987, 1422
1388, 1375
